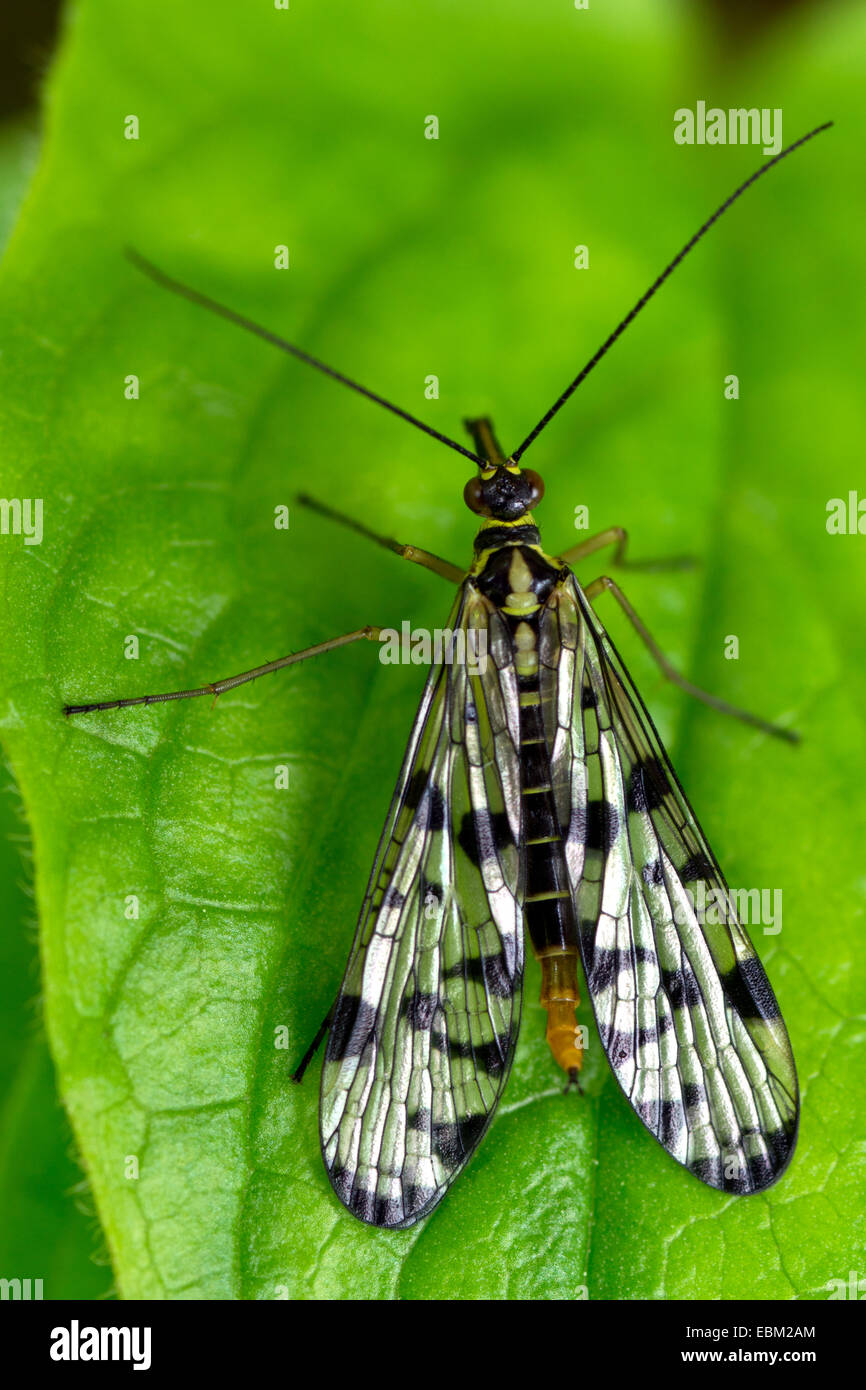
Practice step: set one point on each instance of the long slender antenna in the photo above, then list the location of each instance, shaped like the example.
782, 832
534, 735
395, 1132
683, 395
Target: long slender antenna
609, 342
205, 302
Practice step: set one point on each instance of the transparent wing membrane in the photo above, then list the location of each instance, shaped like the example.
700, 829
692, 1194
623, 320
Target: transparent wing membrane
426, 1022
685, 1011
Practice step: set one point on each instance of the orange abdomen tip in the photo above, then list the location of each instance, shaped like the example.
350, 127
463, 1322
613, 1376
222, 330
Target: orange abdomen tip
563, 1034
560, 997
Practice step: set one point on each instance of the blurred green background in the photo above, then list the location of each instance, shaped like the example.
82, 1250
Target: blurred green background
409, 257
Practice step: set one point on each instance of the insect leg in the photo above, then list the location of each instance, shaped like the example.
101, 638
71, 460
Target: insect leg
298, 1073
219, 687
407, 552
598, 586
617, 535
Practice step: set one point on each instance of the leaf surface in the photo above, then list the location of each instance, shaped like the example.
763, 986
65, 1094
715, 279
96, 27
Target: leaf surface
194, 915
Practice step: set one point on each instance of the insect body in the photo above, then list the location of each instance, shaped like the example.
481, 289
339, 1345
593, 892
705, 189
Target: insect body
536, 793
536, 800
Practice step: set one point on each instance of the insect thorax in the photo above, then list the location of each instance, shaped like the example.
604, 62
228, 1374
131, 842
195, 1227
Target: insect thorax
513, 572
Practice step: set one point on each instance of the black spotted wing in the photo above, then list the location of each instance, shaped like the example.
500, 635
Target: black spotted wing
685, 1011
426, 1022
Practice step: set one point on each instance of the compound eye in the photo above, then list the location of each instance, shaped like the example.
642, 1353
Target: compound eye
473, 496
536, 485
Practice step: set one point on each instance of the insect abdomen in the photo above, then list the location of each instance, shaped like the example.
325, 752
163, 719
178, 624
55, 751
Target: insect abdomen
518, 578
548, 907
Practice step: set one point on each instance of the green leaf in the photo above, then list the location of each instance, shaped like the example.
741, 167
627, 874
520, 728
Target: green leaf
19, 148
43, 1236
410, 258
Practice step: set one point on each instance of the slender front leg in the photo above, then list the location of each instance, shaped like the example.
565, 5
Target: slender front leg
618, 536
598, 586
218, 687
406, 552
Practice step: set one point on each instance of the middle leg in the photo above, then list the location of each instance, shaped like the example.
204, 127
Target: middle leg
599, 586
618, 536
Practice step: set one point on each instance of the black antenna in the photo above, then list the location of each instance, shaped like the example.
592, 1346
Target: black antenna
205, 302
609, 342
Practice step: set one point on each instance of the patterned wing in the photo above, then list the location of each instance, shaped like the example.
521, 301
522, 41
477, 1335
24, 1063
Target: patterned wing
426, 1022
685, 1011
